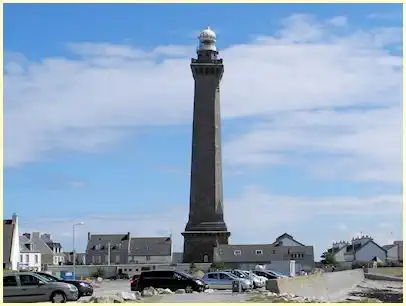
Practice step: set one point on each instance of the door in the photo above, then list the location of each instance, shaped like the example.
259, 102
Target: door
165, 279
181, 282
32, 290
213, 281
11, 289
226, 282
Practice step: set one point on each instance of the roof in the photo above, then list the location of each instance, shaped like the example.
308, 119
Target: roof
155, 246
359, 246
225, 253
334, 251
39, 244
104, 239
286, 235
389, 246
52, 245
23, 245
8, 232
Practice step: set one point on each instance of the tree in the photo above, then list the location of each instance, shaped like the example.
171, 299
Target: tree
328, 258
217, 266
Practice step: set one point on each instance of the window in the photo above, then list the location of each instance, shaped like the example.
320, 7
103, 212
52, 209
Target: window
224, 276
27, 258
259, 252
147, 258
36, 258
21, 258
117, 258
28, 280
9, 281
237, 252
93, 259
212, 276
205, 258
273, 252
130, 270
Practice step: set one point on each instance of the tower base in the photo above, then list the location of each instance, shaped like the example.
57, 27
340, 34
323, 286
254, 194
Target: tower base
199, 245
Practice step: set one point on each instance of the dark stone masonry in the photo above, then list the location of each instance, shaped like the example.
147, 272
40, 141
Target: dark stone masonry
206, 227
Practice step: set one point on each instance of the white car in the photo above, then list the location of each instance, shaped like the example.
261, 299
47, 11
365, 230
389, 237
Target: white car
259, 281
224, 280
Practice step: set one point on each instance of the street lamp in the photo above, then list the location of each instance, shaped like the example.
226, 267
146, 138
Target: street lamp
74, 251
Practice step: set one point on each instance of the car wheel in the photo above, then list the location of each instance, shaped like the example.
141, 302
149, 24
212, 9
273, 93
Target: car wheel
58, 297
189, 289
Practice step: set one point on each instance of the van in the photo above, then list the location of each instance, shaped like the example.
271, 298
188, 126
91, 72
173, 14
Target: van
168, 279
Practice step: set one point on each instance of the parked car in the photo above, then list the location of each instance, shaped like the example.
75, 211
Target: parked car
268, 274
27, 287
172, 280
84, 288
281, 275
224, 280
259, 281
133, 282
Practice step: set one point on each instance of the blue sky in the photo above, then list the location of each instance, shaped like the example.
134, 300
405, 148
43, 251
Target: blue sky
98, 110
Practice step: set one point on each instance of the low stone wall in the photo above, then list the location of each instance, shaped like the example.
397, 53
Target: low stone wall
383, 277
317, 285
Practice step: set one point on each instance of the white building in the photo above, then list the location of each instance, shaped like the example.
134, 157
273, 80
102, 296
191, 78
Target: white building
51, 252
394, 251
11, 245
30, 256
361, 249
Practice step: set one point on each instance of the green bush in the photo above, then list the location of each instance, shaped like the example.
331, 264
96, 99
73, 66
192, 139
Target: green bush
217, 266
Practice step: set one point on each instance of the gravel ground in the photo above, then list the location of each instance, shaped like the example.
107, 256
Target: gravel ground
382, 290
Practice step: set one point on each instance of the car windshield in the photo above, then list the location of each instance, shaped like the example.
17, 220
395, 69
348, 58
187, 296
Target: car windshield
184, 274
277, 273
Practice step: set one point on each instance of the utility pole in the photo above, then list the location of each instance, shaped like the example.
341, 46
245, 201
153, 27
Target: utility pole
73, 246
109, 253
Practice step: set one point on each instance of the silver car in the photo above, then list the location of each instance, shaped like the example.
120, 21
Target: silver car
224, 280
24, 287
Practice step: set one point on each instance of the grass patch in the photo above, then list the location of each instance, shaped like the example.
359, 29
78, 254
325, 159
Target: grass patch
392, 271
272, 299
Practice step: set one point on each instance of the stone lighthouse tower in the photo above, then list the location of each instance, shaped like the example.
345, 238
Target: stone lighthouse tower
206, 227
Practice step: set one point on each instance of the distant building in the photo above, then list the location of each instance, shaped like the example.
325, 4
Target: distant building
394, 251
51, 251
177, 257
123, 249
11, 244
361, 249
80, 258
30, 256
150, 250
247, 256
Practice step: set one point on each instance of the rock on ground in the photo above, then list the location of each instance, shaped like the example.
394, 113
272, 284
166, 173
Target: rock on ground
147, 292
180, 291
129, 296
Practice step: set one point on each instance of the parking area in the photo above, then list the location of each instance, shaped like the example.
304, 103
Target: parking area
383, 291
111, 287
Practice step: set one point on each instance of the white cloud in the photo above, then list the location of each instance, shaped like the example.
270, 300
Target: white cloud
89, 103
363, 144
265, 216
